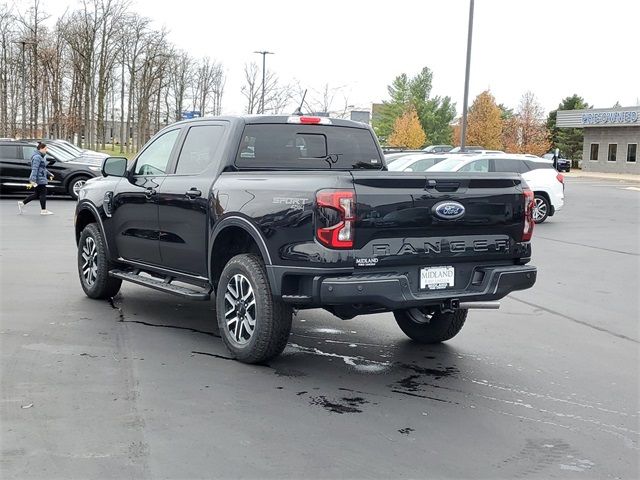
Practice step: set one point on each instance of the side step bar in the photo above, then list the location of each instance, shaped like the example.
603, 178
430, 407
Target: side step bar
163, 285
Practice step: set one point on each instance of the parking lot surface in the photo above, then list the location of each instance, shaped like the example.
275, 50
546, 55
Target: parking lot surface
142, 387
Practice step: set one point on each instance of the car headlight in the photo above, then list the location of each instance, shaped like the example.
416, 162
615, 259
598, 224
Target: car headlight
95, 169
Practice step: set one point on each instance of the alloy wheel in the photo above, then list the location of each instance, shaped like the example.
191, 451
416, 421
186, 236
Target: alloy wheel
77, 185
539, 209
240, 309
90, 259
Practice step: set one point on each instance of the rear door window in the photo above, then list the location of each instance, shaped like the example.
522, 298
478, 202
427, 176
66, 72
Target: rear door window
199, 148
9, 152
476, 166
284, 146
509, 165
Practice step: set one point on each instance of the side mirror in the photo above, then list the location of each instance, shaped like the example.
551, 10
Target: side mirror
408, 169
50, 160
114, 167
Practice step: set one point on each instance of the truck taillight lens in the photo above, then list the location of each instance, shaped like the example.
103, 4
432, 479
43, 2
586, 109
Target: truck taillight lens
335, 225
560, 178
529, 204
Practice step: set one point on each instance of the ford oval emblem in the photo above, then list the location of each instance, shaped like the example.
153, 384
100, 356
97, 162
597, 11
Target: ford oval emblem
449, 210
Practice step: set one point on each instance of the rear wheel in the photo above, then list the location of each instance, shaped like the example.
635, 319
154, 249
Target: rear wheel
541, 208
75, 185
94, 265
254, 326
426, 326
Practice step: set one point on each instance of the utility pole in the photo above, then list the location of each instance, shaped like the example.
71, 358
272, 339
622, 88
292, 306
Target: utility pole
463, 133
264, 54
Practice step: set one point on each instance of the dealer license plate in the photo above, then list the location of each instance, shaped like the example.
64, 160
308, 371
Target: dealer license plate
436, 278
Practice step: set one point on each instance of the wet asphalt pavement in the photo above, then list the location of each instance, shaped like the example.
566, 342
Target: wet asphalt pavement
545, 387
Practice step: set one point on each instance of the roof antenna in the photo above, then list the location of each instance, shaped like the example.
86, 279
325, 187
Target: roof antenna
299, 109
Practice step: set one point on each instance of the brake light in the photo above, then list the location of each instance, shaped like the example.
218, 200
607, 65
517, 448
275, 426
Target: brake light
529, 205
309, 120
560, 178
340, 234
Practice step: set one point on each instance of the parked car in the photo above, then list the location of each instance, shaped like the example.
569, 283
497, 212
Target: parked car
308, 218
415, 163
69, 173
564, 164
438, 148
467, 149
541, 177
72, 149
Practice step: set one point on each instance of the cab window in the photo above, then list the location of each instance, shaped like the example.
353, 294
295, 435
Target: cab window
199, 149
155, 158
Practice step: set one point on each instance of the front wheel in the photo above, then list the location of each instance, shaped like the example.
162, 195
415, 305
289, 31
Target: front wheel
253, 325
94, 265
541, 208
75, 185
426, 326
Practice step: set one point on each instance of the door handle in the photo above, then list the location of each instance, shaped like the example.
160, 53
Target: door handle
193, 193
150, 192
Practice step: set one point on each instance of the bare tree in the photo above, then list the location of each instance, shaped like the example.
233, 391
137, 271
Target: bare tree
180, 78
251, 88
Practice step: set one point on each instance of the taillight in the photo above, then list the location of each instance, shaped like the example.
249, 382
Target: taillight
336, 212
560, 178
529, 205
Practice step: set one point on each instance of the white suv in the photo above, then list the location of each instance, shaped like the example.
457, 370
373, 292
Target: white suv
546, 183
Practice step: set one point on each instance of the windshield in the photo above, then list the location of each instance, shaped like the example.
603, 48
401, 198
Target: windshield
68, 147
449, 165
60, 154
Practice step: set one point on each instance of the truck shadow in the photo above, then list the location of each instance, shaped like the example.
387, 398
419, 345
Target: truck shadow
341, 366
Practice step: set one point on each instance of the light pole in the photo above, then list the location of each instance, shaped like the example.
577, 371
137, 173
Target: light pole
463, 133
264, 54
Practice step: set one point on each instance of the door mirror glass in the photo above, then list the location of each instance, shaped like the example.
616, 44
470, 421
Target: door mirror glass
114, 167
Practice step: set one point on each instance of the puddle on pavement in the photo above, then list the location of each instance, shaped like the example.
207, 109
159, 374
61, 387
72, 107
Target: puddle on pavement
341, 406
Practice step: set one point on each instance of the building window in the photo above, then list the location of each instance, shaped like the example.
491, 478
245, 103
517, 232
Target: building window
632, 151
594, 152
613, 152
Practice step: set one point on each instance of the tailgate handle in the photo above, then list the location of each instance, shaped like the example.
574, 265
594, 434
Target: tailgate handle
442, 186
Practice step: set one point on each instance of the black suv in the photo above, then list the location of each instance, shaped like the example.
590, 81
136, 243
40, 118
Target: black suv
69, 173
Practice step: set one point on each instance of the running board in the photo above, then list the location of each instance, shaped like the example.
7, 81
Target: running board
161, 285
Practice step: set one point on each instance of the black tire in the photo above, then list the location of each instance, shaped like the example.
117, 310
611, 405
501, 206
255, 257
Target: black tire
542, 208
102, 286
271, 318
80, 179
426, 327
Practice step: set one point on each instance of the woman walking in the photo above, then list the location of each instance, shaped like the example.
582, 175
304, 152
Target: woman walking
38, 179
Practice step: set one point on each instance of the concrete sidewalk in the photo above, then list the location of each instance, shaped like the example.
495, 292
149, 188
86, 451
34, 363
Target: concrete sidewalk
627, 177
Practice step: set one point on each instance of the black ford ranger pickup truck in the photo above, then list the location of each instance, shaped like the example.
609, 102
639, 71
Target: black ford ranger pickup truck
273, 213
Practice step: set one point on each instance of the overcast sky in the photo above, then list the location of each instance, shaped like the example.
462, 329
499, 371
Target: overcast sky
552, 47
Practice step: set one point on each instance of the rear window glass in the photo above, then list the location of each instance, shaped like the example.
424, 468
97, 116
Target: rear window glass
314, 147
539, 165
8, 151
510, 165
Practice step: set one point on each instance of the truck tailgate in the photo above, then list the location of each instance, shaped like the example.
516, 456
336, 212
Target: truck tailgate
399, 221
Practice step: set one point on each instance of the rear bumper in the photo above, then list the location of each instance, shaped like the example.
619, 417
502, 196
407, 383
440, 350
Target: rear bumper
395, 290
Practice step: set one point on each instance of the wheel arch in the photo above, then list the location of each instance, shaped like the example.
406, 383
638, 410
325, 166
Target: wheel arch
233, 236
87, 213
